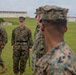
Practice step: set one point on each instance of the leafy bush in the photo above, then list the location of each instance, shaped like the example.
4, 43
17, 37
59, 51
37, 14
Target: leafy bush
1, 20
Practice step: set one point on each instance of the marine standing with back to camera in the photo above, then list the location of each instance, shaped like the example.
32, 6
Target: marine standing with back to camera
59, 59
21, 44
3, 41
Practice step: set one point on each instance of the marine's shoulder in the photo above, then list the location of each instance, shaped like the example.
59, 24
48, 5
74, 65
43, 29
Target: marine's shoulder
60, 54
61, 57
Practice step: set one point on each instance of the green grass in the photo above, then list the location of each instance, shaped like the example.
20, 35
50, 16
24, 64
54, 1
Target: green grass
70, 35
70, 38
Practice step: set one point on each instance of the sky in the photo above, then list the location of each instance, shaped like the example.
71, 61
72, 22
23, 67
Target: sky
30, 6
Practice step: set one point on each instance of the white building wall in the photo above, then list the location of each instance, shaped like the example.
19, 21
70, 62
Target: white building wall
12, 14
71, 19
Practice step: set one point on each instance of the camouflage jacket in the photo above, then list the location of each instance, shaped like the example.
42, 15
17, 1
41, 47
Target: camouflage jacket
3, 36
22, 34
58, 61
36, 31
38, 46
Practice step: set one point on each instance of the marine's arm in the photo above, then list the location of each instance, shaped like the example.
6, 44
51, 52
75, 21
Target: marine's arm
13, 38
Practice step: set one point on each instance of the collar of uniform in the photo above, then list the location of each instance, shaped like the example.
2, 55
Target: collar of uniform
56, 47
22, 27
48, 55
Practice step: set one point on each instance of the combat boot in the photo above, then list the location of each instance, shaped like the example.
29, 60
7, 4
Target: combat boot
16, 74
4, 68
0, 70
21, 73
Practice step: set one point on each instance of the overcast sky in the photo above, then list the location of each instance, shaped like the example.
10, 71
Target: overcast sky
31, 5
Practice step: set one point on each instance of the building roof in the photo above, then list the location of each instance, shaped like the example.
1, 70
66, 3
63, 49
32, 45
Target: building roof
13, 12
71, 17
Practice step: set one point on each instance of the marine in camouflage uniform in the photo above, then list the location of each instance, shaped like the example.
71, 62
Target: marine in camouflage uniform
3, 41
21, 42
59, 59
39, 43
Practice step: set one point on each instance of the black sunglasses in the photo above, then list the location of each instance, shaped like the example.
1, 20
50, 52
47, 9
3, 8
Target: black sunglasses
21, 21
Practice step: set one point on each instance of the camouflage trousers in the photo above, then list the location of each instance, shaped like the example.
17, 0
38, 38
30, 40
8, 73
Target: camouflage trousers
20, 57
1, 61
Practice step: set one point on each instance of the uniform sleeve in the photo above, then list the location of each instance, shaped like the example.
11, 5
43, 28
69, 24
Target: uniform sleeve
56, 71
30, 41
39, 71
40, 44
13, 38
60, 71
4, 37
53, 71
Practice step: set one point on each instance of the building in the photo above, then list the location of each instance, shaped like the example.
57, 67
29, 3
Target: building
71, 19
12, 14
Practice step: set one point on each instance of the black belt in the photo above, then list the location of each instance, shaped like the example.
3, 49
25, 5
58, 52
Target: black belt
21, 41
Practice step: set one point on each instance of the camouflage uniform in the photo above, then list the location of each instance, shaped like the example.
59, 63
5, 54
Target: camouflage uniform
60, 60
39, 44
22, 41
3, 41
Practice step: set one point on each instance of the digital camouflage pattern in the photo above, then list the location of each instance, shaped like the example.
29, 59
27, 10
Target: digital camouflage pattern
40, 10
36, 31
34, 48
3, 40
54, 12
22, 42
21, 18
3, 36
38, 47
58, 61
46, 8
39, 43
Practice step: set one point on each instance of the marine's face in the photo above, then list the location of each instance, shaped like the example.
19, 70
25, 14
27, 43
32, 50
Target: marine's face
38, 18
21, 23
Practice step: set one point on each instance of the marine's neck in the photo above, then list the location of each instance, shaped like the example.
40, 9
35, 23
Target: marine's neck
52, 41
21, 26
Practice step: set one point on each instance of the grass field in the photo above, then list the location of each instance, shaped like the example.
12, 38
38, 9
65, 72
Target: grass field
70, 38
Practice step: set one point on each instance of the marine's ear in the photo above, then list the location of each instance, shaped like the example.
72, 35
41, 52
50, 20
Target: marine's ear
42, 27
65, 29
